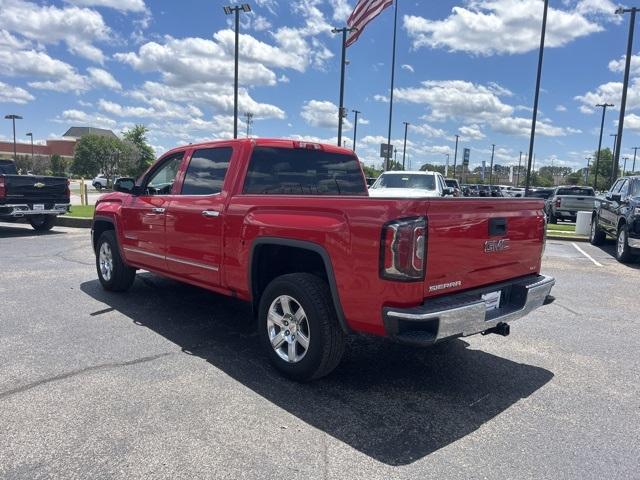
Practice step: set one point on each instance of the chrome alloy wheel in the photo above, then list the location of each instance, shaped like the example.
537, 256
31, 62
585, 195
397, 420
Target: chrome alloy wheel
622, 242
288, 329
593, 228
106, 261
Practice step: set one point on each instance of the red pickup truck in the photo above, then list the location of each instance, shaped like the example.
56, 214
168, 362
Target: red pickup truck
289, 227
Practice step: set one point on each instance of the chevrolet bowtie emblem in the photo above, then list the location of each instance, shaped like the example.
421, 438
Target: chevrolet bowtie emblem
39, 185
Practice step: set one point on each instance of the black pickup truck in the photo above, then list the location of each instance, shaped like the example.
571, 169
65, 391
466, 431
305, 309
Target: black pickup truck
37, 199
618, 215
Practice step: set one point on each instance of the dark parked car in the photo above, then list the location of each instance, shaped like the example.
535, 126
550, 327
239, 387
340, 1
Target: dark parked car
496, 191
543, 193
484, 191
618, 216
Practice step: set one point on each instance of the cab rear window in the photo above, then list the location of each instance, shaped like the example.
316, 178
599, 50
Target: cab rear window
296, 171
576, 192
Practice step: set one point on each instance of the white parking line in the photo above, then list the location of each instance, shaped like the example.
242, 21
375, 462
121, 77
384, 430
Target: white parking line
597, 264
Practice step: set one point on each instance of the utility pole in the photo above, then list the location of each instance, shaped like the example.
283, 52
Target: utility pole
13, 118
586, 177
228, 11
625, 86
355, 127
635, 150
604, 111
341, 110
404, 149
493, 148
446, 166
518, 176
455, 157
537, 95
393, 76
249, 121
614, 173
624, 169
30, 134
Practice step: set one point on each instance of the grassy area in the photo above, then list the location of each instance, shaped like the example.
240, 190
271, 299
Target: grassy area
81, 211
561, 227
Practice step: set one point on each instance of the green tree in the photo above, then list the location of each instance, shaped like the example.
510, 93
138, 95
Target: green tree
371, 172
99, 154
605, 167
145, 156
58, 165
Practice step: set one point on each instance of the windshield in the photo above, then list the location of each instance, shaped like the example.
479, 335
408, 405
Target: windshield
579, 192
421, 182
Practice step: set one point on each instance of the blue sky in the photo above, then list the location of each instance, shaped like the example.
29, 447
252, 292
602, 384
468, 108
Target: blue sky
464, 67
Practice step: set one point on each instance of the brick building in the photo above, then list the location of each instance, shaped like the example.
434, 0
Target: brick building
64, 146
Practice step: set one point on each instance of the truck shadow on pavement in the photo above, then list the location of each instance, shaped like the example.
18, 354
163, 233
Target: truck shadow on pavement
23, 230
391, 402
609, 247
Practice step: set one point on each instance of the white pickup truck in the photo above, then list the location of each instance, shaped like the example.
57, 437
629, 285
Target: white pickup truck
564, 203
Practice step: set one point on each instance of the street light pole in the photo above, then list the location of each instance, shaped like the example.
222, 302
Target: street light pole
604, 111
13, 118
536, 97
355, 127
343, 63
586, 177
228, 11
30, 134
249, 117
624, 168
446, 166
518, 176
455, 157
614, 173
404, 149
625, 85
493, 148
635, 150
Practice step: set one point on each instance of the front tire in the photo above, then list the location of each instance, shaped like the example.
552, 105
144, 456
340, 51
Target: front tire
42, 223
552, 218
97, 186
596, 234
299, 327
623, 251
113, 273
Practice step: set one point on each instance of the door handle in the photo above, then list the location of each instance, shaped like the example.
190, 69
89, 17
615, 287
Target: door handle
210, 213
158, 210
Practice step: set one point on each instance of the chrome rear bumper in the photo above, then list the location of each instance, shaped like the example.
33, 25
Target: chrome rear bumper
465, 314
23, 210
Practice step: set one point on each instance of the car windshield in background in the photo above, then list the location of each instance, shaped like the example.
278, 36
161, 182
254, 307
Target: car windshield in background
452, 183
297, 171
540, 194
421, 182
578, 192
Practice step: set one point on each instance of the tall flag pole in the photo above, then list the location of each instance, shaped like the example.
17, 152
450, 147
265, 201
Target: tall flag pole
393, 76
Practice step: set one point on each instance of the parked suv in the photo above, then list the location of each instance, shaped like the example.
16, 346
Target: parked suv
618, 215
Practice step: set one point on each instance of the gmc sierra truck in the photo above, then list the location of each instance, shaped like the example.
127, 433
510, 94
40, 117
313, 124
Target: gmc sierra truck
289, 227
37, 199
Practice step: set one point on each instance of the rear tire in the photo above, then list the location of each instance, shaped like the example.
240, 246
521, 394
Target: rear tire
309, 314
596, 235
97, 186
113, 273
42, 223
623, 251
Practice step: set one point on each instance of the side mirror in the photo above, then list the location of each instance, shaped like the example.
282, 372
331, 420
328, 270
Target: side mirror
447, 191
125, 185
616, 197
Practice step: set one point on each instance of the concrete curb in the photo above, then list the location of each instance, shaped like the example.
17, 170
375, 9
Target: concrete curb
567, 237
74, 222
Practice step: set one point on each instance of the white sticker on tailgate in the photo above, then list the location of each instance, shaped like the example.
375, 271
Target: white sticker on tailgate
38, 206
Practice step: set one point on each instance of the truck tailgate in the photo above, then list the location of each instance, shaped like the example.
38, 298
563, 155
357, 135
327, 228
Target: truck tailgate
478, 242
36, 189
573, 203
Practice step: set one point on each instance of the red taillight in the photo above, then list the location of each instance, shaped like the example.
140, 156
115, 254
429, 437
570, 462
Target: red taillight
403, 249
3, 190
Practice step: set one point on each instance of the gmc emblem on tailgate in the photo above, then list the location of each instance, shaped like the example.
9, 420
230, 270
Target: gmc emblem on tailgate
494, 246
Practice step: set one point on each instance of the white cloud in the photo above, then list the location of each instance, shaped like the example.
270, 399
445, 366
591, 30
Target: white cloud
157, 108
408, 68
341, 10
487, 27
260, 23
324, 114
561, 108
122, 5
80, 118
428, 131
102, 78
473, 132
12, 94
77, 27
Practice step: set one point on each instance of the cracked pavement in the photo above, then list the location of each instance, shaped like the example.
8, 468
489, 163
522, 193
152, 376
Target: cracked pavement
167, 381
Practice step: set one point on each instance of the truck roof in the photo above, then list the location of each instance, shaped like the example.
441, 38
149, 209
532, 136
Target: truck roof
405, 172
266, 142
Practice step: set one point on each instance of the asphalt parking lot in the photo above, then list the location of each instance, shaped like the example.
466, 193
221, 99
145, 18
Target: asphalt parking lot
167, 381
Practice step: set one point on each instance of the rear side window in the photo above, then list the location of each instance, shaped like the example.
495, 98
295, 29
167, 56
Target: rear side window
295, 171
206, 171
7, 168
578, 192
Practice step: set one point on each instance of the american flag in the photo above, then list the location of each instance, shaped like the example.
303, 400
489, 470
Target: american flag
365, 11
